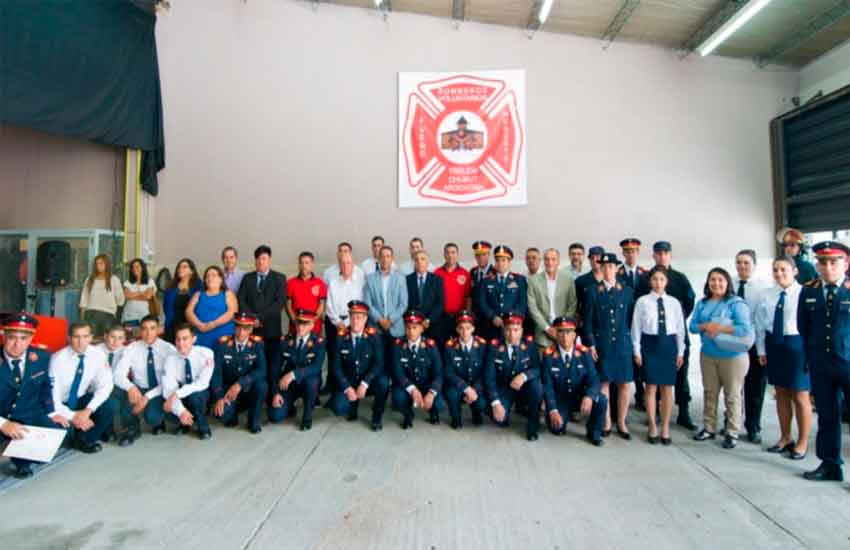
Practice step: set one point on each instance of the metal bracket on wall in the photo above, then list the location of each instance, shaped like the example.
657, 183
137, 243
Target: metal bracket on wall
814, 27
623, 15
458, 12
708, 28
534, 23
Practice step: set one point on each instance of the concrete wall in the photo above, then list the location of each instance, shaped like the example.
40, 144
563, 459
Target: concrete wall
281, 128
828, 73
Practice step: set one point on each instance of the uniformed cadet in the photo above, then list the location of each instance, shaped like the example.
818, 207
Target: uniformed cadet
592, 277
417, 372
483, 267
466, 358
635, 277
114, 340
501, 292
359, 367
26, 397
239, 379
186, 383
82, 385
571, 384
512, 376
300, 372
608, 308
793, 245
823, 320
139, 376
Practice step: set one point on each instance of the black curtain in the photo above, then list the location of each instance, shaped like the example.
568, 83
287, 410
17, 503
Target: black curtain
84, 68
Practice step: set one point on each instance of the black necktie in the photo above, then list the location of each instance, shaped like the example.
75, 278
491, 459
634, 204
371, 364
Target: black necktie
188, 371
779, 318
421, 287
300, 346
515, 353
260, 280
75, 385
151, 369
741, 288
16, 371
662, 319
111, 357
377, 266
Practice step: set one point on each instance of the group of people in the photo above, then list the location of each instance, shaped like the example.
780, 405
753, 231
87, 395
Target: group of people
561, 343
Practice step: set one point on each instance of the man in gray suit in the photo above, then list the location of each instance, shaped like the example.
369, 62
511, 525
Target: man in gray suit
386, 295
551, 294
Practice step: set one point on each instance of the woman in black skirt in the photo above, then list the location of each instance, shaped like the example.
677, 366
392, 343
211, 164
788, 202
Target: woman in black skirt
658, 337
781, 351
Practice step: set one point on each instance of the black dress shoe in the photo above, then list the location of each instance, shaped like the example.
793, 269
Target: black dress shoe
377, 426
182, 430
653, 439
352, 416
158, 429
794, 455
754, 437
407, 423
477, 420
597, 442
107, 436
90, 449
729, 442
531, 436
125, 441
23, 472
606, 433
305, 425
255, 429
434, 419
781, 448
204, 435
666, 441
704, 435
825, 472
684, 420
624, 435
456, 424
232, 423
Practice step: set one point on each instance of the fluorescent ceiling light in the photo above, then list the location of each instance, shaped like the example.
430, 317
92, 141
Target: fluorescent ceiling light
378, 3
545, 8
733, 24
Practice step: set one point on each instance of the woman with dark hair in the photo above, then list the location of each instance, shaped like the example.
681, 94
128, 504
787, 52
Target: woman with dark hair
658, 339
781, 351
139, 289
101, 296
212, 309
183, 286
724, 324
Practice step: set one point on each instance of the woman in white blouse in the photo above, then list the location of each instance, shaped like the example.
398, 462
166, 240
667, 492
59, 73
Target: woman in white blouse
101, 296
781, 350
139, 289
658, 337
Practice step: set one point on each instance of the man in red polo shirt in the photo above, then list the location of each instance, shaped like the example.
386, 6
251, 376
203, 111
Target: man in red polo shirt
306, 291
457, 291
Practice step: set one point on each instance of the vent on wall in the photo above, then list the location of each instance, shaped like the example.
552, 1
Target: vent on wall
811, 163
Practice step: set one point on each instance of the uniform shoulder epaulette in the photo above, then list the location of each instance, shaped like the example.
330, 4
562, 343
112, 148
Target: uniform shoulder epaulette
371, 331
451, 342
42, 347
320, 340
494, 341
550, 350
529, 338
480, 340
256, 338
430, 342
224, 339
814, 283
490, 275
398, 341
581, 347
342, 332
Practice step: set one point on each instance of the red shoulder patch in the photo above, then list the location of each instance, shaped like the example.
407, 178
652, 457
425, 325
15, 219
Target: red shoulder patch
342, 332
581, 347
257, 338
430, 342
451, 342
494, 341
371, 331
224, 339
549, 351
398, 341
40, 346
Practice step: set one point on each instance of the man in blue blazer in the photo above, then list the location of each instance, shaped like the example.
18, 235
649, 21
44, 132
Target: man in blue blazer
425, 294
25, 390
386, 295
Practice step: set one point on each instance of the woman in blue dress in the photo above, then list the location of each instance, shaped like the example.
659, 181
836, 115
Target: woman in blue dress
781, 351
211, 311
608, 307
658, 339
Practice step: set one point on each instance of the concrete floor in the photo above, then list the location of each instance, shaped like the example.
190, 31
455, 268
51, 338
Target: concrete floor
340, 486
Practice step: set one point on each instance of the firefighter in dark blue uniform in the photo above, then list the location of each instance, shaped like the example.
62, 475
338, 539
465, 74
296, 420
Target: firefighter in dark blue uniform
571, 384
512, 376
359, 368
300, 372
239, 379
465, 358
592, 277
608, 308
634, 276
483, 267
417, 372
823, 320
25, 388
501, 292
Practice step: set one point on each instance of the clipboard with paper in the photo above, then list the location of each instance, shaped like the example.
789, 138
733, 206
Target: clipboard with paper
38, 444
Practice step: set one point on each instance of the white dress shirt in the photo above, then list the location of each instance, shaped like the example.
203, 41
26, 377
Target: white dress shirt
201, 362
645, 320
576, 273
407, 268
551, 287
116, 355
135, 360
333, 272
340, 292
766, 309
97, 378
566, 355
753, 289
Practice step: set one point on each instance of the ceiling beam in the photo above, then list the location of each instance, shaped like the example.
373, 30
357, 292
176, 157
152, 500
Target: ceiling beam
458, 10
815, 26
726, 12
619, 21
534, 23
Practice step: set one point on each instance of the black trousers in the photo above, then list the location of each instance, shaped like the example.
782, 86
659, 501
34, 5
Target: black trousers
683, 387
755, 385
273, 359
330, 353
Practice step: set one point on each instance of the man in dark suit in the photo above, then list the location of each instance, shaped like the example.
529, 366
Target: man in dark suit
263, 293
425, 294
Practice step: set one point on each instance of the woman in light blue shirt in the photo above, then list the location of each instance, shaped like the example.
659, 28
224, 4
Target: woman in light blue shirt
725, 326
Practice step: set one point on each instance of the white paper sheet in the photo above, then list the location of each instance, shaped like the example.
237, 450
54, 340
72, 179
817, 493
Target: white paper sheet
39, 444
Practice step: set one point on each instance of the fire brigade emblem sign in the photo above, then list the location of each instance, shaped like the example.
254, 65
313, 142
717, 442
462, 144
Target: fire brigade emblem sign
462, 139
